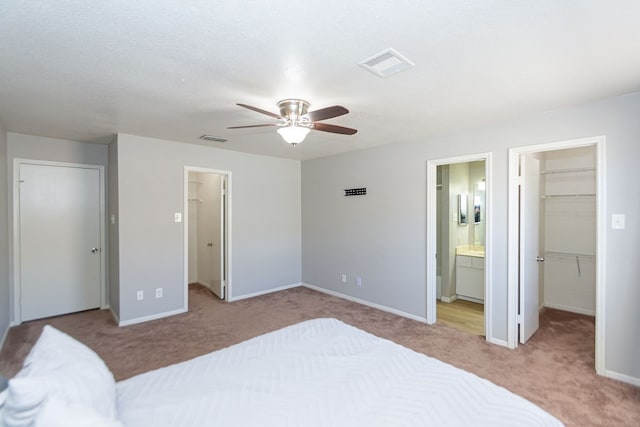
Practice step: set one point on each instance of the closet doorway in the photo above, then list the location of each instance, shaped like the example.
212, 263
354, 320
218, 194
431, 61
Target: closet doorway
207, 228
556, 233
458, 218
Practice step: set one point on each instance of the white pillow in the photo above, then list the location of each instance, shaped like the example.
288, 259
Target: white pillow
59, 367
24, 399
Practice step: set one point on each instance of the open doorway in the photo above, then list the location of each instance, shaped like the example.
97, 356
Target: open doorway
457, 246
207, 237
556, 233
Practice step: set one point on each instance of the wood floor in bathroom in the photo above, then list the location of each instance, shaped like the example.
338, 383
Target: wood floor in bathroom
464, 315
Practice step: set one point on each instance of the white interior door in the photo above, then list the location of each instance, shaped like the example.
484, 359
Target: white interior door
59, 240
529, 224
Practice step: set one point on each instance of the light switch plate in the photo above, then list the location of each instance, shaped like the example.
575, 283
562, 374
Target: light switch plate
177, 217
618, 221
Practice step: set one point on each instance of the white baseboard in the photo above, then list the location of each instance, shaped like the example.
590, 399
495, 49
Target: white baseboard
202, 284
4, 336
115, 316
622, 377
496, 341
448, 299
151, 317
570, 309
470, 299
367, 303
265, 292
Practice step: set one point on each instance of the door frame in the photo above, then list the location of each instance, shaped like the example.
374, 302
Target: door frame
513, 241
432, 166
227, 229
17, 277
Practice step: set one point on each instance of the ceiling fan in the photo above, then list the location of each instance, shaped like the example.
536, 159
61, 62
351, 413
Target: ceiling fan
297, 121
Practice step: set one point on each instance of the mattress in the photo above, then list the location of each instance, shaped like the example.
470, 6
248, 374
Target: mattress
321, 372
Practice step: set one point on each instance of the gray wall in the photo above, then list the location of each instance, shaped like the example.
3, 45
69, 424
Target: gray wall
266, 225
381, 236
48, 149
112, 229
5, 300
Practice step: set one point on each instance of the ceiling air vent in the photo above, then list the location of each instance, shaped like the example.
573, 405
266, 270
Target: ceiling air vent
213, 138
386, 63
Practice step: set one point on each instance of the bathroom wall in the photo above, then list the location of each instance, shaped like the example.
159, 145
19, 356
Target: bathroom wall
476, 176
458, 233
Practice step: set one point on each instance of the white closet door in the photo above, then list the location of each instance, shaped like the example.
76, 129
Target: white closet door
529, 229
59, 225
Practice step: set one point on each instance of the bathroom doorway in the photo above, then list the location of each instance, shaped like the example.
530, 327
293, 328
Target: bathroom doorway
556, 232
458, 225
207, 230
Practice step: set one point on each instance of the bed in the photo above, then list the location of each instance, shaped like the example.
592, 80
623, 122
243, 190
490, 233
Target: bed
321, 372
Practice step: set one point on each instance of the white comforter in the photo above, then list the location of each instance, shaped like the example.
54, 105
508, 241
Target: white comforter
319, 373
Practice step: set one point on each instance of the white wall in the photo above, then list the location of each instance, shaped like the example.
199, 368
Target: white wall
381, 236
570, 229
5, 299
266, 229
49, 149
204, 228
209, 268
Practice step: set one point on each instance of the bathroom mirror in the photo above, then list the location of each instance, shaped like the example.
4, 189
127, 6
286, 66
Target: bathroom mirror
479, 213
477, 209
462, 209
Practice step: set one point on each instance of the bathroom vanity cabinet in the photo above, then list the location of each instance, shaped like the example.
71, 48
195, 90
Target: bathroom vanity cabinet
470, 277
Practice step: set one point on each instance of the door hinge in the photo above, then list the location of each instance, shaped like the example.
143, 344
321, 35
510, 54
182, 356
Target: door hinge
519, 319
519, 180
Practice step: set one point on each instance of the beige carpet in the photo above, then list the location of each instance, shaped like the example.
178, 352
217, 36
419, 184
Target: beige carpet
554, 370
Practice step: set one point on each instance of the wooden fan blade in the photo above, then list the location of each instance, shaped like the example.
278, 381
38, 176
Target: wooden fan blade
260, 110
252, 126
327, 113
324, 127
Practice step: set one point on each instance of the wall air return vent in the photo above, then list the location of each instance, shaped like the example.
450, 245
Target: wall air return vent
386, 63
213, 138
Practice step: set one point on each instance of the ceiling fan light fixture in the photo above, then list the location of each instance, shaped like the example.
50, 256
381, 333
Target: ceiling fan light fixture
293, 134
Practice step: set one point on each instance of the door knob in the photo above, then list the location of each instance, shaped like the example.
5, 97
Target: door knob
540, 258
95, 250
210, 244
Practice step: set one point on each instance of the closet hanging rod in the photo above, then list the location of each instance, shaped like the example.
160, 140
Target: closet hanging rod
196, 200
195, 182
572, 170
567, 196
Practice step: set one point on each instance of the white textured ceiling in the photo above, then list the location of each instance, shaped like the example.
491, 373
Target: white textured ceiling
86, 69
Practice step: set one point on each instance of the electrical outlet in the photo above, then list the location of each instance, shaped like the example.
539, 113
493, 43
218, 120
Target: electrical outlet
343, 278
358, 281
177, 217
139, 295
158, 292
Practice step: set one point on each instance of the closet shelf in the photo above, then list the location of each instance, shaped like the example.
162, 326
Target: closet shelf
568, 196
572, 170
195, 182
569, 254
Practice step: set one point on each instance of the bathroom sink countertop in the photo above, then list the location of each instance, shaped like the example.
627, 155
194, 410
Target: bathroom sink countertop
470, 250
